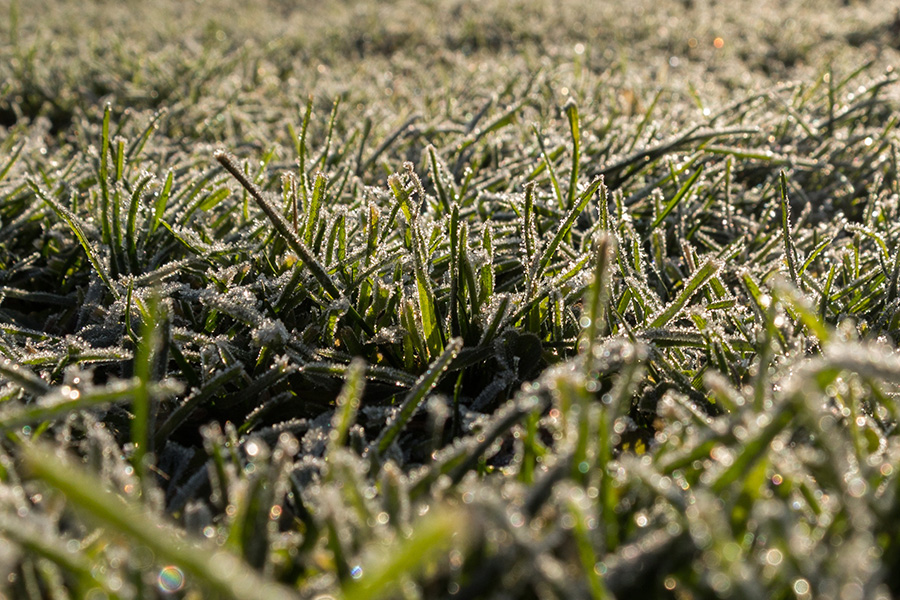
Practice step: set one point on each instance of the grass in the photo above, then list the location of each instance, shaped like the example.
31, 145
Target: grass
423, 301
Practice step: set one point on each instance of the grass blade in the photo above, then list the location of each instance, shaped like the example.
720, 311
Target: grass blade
284, 229
346, 405
571, 110
12, 160
698, 280
566, 226
106, 220
66, 400
597, 296
24, 378
790, 253
430, 539
220, 572
64, 214
131, 226
678, 197
414, 398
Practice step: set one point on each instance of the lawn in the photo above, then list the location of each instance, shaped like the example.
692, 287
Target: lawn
495, 299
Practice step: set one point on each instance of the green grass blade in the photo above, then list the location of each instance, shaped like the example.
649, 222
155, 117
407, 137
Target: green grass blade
597, 296
313, 208
566, 226
131, 226
414, 398
106, 219
300, 144
456, 282
790, 253
159, 207
571, 110
679, 196
800, 306
65, 400
24, 378
219, 572
148, 349
430, 540
12, 160
486, 274
323, 163
347, 405
554, 180
815, 253
64, 214
586, 551
284, 229
698, 280
435, 176
753, 449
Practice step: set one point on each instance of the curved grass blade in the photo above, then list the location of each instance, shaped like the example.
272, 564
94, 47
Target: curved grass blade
64, 214
131, 225
159, 207
814, 253
221, 573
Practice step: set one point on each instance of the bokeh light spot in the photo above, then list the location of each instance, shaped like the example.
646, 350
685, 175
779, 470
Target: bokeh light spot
171, 579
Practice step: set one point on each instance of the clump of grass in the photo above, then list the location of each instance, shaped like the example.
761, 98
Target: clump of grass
453, 354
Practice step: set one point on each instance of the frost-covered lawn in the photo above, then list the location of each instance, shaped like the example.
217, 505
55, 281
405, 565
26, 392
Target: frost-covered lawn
449, 299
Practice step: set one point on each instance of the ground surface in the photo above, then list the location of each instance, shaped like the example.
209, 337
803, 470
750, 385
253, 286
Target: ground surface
449, 299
